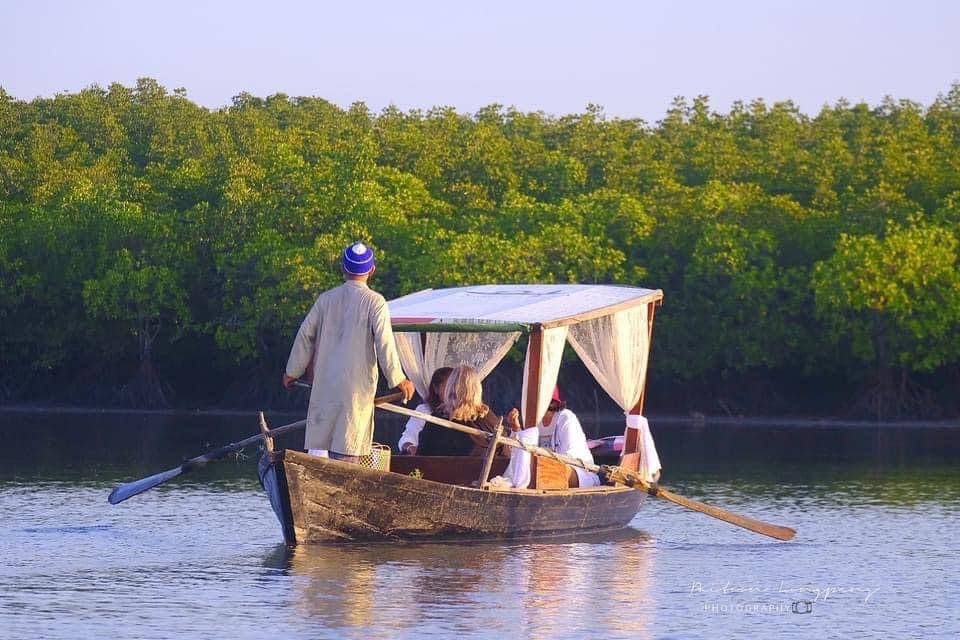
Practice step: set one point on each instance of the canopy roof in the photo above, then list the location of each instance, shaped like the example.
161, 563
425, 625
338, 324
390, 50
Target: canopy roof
512, 307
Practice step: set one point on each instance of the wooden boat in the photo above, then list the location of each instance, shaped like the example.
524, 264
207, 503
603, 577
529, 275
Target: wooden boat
419, 498
323, 500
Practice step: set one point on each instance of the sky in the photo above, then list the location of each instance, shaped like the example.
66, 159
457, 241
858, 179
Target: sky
632, 58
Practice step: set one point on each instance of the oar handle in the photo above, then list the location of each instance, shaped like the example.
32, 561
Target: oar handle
233, 447
130, 489
226, 450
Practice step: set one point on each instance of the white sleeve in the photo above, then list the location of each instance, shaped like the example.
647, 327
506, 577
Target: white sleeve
385, 346
302, 352
518, 469
411, 433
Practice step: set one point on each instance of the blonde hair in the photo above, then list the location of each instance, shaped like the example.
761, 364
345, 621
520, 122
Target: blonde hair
462, 395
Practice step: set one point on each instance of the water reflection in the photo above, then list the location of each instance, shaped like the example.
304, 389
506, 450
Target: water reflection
559, 585
546, 589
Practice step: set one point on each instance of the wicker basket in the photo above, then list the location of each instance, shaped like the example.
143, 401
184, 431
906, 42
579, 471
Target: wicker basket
379, 458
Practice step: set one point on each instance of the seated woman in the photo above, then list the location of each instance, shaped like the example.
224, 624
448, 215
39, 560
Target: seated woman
463, 403
560, 431
410, 440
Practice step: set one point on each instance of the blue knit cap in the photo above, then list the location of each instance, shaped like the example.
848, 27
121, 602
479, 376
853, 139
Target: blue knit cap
358, 259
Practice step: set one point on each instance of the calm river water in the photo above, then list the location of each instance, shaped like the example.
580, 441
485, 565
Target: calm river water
876, 556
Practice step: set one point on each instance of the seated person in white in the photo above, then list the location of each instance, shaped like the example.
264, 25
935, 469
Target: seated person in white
410, 439
560, 430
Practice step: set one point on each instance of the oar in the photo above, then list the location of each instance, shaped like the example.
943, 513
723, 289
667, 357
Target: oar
633, 479
131, 489
617, 474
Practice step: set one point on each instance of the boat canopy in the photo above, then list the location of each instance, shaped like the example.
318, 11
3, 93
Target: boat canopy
512, 307
609, 327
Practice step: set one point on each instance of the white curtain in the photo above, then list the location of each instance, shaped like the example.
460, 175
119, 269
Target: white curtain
551, 353
411, 359
615, 349
483, 351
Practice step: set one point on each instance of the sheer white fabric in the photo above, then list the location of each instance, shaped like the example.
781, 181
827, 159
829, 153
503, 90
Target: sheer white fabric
551, 353
411, 359
482, 351
615, 349
649, 459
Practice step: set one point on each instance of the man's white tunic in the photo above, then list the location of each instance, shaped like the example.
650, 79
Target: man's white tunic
346, 332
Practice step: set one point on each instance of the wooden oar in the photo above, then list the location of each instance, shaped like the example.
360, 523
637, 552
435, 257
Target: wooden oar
633, 479
617, 474
131, 489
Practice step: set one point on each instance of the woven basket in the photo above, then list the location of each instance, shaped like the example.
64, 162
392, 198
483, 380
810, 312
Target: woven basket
379, 458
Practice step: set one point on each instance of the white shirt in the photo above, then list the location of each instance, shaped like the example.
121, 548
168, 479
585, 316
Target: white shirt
567, 436
411, 433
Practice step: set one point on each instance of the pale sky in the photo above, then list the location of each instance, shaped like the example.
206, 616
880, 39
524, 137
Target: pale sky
557, 56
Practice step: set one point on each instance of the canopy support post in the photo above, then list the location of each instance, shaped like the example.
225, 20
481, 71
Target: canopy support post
534, 359
631, 441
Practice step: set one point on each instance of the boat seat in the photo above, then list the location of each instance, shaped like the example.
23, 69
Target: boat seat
546, 473
459, 470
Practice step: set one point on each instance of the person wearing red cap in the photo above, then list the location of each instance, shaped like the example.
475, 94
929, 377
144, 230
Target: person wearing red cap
559, 430
344, 336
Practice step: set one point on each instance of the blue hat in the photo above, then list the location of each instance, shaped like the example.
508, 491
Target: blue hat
358, 259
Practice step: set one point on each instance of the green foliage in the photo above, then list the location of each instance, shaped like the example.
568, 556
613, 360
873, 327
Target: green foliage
135, 224
894, 300
140, 283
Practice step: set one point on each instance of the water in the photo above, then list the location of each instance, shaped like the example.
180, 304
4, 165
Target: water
876, 554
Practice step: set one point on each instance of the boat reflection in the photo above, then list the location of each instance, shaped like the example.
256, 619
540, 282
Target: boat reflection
589, 585
547, 589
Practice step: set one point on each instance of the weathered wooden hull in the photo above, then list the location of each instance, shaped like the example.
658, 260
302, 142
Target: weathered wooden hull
322, 500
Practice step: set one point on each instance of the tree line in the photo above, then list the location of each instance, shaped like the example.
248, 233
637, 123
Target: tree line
154, 251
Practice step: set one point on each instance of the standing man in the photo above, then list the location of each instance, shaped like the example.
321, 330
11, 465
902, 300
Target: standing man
346, 332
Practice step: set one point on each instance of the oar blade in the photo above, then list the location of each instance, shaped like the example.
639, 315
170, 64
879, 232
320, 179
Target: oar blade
131, 489
764, 528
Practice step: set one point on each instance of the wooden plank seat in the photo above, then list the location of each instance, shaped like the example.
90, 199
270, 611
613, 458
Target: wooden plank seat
459, 470
465, 470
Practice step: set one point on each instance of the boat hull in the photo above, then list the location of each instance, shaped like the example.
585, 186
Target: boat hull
323, 500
